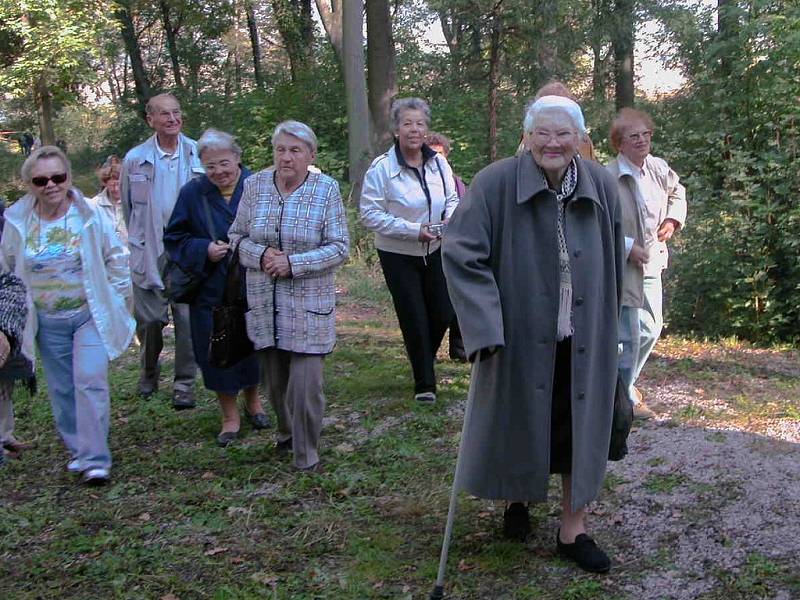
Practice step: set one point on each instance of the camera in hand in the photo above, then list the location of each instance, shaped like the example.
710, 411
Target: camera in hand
437, 229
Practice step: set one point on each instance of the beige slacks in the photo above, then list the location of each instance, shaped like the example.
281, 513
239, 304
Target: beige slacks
294, 385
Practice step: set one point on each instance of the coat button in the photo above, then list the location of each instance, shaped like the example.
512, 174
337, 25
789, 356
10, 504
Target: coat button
581, 396
581, 349
576, 254
578, 301
540, 387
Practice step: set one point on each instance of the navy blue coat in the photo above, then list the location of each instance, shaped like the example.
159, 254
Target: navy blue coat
186, 241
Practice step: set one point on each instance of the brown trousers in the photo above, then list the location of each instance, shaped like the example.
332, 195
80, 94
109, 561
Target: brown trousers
294, 386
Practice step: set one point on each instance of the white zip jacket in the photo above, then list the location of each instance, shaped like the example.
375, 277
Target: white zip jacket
106, 274
394, 205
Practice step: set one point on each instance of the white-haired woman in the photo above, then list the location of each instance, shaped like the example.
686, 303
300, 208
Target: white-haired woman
407, 198
291, 233
533, 259
201, 247
76, 270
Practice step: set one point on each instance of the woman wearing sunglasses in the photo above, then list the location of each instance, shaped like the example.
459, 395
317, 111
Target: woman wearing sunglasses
76, 271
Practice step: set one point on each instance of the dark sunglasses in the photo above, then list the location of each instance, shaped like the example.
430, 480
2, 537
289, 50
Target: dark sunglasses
42, 181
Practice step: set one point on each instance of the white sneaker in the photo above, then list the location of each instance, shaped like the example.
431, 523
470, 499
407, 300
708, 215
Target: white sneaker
74, 466
95, 476
425, 397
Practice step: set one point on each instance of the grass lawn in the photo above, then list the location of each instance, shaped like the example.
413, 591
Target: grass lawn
184, 519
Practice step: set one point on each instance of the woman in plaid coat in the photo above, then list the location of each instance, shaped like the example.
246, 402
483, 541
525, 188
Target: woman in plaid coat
291, 233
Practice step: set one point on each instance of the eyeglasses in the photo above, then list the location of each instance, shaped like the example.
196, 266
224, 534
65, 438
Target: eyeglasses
543, 136
58, 179
640, 135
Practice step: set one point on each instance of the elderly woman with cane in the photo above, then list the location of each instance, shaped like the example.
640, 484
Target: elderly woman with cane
291, 235
533, 258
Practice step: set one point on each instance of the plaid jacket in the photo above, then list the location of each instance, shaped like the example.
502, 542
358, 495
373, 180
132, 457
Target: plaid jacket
310, 226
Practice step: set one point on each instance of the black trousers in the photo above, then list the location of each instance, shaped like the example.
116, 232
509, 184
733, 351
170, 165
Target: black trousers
423, 308
561, 410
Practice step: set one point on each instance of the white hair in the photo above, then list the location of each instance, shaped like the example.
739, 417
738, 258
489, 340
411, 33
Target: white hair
299, 130
550, 104
213, 139
401, 105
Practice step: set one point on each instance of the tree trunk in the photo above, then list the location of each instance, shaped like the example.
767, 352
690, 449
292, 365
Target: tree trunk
727, 29
330, 11
494, 77
44, 112
293, 19
172, 45
252, 27
622, 44
380, 71
358, 120
142, 86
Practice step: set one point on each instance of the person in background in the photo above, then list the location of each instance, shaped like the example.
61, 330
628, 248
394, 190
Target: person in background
653, 203
76, 271
406, 199
190, 243
440, 143
13, 312
557, 88
533, 259
109, 197
291, 234
152, 175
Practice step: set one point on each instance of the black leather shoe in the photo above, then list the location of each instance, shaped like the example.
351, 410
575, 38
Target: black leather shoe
585, 552
226, 438
182, 400
284, 447
258, 420
516, 522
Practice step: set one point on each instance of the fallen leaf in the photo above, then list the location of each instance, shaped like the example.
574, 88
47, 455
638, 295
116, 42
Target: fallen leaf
215, 551
170, 597
207, 475
463, 565
344, 448
265, 578
377, 585
144, 517
237, 560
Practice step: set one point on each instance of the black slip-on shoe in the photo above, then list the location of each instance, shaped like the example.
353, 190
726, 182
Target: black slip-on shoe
585, 552
226, 438
258, 420
182, 400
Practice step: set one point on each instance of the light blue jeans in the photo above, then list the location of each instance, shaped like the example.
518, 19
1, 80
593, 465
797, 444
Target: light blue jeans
75, 365
646, 328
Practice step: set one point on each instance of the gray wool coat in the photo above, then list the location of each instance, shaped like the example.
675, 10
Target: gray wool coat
501, 261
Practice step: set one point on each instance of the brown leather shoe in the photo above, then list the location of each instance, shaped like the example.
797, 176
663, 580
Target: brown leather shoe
642, 411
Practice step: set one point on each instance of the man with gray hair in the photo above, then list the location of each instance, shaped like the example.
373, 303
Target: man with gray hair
152, 174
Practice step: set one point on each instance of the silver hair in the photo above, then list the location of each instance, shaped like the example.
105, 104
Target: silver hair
401, 105
550, 104
149, 108
44, 152
299, 130
213, 139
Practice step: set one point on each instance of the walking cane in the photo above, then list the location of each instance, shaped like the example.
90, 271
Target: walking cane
438, 589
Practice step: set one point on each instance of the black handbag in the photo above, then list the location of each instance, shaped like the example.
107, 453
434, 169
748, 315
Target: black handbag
182, 286
229, 343
621, 423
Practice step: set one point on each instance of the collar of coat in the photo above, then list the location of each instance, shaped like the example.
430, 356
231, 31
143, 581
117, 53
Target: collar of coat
208, 187
18, 212
150, 156
397, 161
531, 183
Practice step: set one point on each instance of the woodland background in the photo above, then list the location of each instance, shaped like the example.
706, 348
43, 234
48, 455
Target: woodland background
80, 71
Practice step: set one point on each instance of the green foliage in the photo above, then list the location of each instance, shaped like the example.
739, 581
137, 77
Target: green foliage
734, 139
51, 41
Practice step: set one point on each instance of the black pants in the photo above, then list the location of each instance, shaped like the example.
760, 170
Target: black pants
561, 411
423, 308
